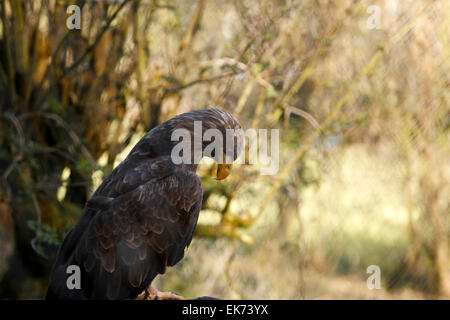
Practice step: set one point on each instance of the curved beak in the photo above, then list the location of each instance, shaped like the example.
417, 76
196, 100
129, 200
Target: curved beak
223, 171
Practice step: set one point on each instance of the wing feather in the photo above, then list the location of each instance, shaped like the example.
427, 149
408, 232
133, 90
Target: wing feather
139, 235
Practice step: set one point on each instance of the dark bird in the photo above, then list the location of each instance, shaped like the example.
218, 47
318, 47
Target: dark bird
141, 218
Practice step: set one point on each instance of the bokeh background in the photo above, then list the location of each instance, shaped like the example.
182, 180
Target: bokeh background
363, 113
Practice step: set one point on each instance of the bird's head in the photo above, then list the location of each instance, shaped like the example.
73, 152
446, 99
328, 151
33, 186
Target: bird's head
213, 133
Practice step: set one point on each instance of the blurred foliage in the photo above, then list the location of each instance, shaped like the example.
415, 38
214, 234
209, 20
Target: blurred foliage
364, 119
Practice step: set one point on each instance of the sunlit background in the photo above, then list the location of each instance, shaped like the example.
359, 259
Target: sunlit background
358, 89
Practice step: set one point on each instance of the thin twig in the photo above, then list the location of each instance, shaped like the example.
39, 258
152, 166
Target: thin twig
96, 41
303, 114
69, 131
192, 83
332, 116
18, 157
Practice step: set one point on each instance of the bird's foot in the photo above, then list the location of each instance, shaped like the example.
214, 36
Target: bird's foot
168, 296
153, 294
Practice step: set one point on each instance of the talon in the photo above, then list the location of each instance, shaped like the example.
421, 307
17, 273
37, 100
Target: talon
152, 294
169, 296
